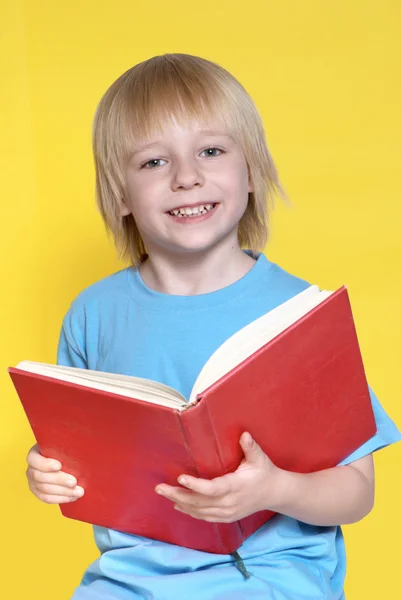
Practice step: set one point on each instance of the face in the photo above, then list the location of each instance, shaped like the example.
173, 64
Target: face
187, 189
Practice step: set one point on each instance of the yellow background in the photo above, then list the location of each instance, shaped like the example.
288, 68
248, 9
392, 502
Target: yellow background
326, 78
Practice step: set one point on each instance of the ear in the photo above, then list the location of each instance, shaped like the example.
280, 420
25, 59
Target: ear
250, 185
124, 209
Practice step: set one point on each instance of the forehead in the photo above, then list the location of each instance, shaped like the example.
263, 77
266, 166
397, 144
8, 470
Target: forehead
194, 125
174, 130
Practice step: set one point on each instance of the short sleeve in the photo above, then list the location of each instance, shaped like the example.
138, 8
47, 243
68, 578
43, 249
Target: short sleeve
71, 347
387, 433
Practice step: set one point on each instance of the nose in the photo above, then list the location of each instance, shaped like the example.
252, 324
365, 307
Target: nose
186, 175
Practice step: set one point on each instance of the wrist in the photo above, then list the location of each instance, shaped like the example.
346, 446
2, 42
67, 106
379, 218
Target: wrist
284, 492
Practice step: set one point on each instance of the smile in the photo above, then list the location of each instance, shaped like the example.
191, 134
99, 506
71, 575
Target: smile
194, 211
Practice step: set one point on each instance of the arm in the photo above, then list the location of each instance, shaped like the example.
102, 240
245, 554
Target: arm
331, 497
337, 496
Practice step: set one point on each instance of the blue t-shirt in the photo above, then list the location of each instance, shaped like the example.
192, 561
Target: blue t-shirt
119, 325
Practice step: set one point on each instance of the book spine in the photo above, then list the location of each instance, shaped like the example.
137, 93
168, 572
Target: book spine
199, 432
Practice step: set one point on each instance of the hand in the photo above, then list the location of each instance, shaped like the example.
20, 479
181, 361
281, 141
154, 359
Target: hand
254, 486
47, 482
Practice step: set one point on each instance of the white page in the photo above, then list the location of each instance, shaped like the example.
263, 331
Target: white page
246, 341
126, 385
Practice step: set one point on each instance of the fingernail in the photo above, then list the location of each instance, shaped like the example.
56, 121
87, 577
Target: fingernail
79, 491
56, 466
182, 480
71, 482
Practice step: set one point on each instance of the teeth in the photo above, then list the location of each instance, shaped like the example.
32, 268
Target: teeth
188, 212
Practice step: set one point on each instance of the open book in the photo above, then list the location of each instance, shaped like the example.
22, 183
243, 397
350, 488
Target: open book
294, 379
230, 354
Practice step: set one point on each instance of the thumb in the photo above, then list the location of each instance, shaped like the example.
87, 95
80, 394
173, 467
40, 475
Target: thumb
252, 450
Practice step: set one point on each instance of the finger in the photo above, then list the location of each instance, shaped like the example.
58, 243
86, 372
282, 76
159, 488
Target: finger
175, 494
37, 461
191, 501
213, 488
52, 499
55, 478
252, 451
58, 490
210, 514
185, 498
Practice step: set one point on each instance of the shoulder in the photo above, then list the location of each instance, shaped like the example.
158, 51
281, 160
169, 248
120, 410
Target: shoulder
93, 310
100, 297
283, 283
107, 289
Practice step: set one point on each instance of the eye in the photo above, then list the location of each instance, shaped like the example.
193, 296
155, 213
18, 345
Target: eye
152, 164
210, 150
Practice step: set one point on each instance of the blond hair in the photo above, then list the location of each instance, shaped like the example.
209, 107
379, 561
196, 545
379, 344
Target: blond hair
141, 101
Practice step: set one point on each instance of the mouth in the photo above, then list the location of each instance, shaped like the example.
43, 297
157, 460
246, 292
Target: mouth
188, 212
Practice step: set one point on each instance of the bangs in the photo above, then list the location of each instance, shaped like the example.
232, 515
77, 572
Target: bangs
156, 93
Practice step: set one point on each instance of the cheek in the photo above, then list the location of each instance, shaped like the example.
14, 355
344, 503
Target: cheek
238, 187
139, 199
239, 179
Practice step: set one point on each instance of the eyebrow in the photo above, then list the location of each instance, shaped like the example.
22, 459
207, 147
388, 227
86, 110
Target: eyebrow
211, 132
208, 132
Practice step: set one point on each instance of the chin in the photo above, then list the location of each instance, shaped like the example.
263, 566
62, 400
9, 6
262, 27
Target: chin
196, 248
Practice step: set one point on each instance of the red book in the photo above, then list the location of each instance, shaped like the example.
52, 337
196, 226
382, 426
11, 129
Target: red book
303, 396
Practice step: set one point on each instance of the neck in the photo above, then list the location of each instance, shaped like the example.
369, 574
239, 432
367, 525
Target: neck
190, 274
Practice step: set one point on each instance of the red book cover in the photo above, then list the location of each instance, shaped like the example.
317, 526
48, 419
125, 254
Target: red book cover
303, 397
